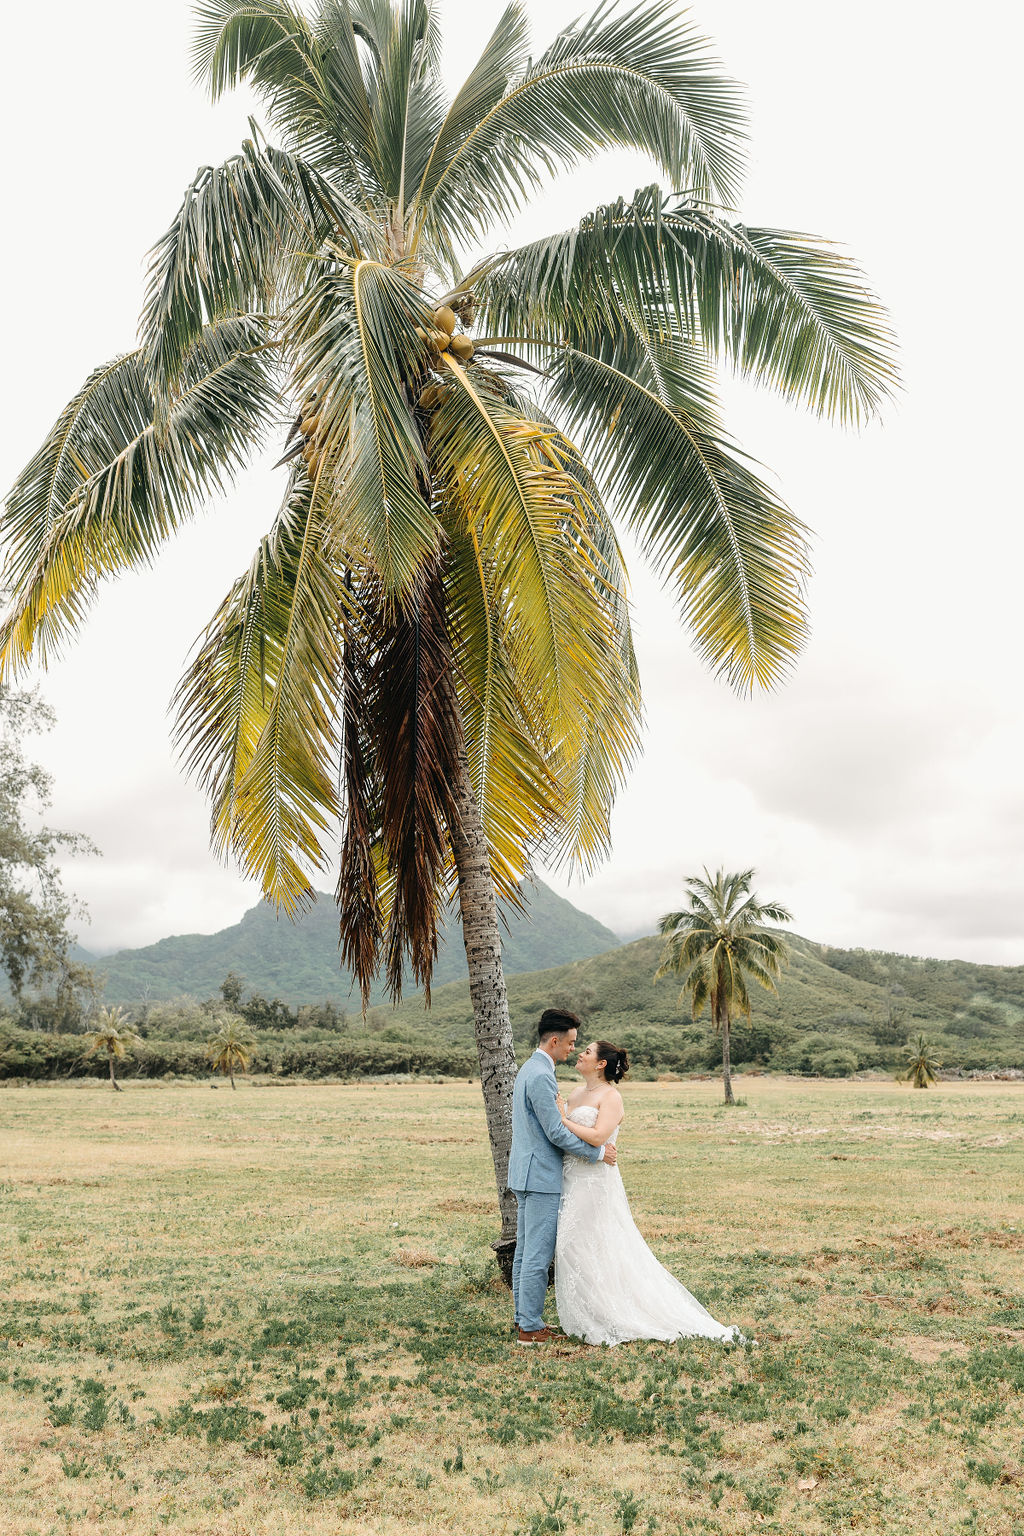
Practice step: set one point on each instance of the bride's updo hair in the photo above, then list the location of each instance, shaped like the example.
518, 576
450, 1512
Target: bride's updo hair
616, 1062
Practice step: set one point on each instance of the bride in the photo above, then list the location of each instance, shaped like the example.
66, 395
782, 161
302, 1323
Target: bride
609, 1287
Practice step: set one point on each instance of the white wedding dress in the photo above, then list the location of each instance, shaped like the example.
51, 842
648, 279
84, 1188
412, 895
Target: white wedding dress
609, 1287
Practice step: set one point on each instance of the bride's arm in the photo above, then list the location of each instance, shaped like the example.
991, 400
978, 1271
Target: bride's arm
608, 1116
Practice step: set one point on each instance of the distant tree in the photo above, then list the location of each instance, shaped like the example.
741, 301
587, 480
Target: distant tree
231, 1048
717, 943
231, 989
893, 1028
581, 1000
35, 942
114, 1035
258, 1012
65, 1002
325, 1015
922, 1066
268, 1013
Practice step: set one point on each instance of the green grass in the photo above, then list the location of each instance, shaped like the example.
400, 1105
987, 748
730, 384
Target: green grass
274, 1311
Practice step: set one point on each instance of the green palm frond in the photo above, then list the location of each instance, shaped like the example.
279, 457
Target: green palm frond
714, 531
407, 107
529, 521
640, 78
308, 75
240, 229
107, 488
508, 749
256, 712
267, 42
354, 333
789, 310
504, 57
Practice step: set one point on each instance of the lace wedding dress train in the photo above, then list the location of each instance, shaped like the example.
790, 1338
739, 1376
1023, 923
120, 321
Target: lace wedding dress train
609, 1287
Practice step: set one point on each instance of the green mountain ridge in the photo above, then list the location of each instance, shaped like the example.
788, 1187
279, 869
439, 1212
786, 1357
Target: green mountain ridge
298, 962
832, 1005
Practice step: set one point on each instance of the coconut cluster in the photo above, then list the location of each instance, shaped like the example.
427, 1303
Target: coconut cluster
309, 420
442, 337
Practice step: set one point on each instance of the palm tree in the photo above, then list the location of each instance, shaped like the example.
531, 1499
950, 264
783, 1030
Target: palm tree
717, 943
113, 1035
922, 1066
430, 650
231, 1048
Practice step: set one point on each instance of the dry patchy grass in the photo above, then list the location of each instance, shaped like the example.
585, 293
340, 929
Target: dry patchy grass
274, 1311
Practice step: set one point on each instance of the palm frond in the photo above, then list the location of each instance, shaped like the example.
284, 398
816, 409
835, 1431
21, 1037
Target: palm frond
716, 533
407, 108
789, 310
358, 894
354, 336
107, 488
231, 243
559, 615
256, 712
308, 74
416, 741
503, 58
640, 78
507, 745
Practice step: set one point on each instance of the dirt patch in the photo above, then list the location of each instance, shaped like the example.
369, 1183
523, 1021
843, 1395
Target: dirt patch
927, 1351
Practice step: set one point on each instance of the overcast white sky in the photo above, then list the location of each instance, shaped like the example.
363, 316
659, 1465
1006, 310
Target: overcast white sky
880, 793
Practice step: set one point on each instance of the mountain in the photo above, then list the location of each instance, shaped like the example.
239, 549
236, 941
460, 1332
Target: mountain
836, 1010
298, 962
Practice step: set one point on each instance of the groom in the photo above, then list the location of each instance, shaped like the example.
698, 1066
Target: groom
539, 1142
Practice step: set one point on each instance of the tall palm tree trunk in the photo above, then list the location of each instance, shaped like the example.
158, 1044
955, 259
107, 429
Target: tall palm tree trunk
113, 1080
723, 1024
482, 938
231, 1074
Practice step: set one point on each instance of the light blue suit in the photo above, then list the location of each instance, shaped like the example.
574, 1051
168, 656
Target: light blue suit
539, 1142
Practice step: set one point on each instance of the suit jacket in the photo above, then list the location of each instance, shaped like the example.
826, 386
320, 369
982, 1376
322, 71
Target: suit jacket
539, 1139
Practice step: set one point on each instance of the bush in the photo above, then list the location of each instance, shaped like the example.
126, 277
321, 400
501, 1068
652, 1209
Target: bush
835, 1063
377, 1057
24, 1053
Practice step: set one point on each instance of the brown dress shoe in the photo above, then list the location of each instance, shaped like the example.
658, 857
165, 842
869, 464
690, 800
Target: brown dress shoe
536, 1336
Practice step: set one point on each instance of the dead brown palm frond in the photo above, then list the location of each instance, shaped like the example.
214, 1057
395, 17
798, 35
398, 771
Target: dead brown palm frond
417, 738
357, 894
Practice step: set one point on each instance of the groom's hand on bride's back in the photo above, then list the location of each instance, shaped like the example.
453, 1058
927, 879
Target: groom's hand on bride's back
610, 1154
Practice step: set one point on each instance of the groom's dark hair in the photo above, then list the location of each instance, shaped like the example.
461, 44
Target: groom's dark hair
556, 1021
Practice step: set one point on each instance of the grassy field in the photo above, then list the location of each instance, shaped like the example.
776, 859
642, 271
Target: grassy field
274, 1311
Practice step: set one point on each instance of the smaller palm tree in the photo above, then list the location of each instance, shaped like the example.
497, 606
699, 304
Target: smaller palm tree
231, 1048
717, 943
922, 1066
115, 1036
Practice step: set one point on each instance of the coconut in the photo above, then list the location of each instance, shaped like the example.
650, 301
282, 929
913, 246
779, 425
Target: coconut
431, 397
444, 319
440, 340
462, 348
309, 424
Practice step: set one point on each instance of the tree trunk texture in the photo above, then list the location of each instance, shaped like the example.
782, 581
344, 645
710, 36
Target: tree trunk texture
482, 938
113, 1080
231, 1074
724, 1022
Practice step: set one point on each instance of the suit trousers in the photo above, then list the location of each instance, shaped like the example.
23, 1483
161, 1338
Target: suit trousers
535, 1248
